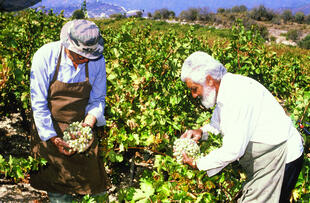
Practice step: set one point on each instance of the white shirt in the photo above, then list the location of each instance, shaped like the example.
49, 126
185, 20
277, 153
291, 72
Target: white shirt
246, 111
42, 72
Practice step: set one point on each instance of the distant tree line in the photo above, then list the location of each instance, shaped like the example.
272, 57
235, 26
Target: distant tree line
260, 13
227, 16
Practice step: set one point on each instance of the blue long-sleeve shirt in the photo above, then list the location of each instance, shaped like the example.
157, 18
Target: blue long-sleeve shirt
42, 71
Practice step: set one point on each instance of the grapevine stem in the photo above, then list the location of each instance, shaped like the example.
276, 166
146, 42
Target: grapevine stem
303, 115
191, 195
237, 195
165, 60
225, 191
143, 148
132, 169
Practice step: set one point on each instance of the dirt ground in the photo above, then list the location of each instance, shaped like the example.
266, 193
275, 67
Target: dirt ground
14, 141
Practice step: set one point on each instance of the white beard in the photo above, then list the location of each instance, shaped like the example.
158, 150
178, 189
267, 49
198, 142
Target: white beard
209, 96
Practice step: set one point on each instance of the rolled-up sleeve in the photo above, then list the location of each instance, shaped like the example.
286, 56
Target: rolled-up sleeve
39, 84
96, 103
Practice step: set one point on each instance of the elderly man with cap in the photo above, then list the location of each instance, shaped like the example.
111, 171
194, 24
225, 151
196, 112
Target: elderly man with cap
68, 84
256, 131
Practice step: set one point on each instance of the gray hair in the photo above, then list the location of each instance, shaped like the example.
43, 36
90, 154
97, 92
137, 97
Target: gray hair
200, 64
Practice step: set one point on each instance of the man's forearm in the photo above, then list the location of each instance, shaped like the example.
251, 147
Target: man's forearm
90, 120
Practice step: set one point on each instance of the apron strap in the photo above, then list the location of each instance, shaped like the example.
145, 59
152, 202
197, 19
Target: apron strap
86, 71
57, 67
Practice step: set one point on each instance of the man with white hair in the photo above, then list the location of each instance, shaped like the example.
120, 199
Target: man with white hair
256, 131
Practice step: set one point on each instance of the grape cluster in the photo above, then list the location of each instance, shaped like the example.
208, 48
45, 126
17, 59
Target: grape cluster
186, 145
78, 137
211, 129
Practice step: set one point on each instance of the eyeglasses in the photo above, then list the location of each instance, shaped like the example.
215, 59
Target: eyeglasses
77, 56
81, 57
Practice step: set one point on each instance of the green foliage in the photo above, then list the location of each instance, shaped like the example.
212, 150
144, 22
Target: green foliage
220, 10
170, 181
83, 7
149, 106
235, 9
287, 15
92, 198
293, 35
302, 188
163, 14
190, 14
307, 19
238, 9
86, 199
17, 168
141, 108
305, 42
78, 14
247, 55
22, 33
299, 17
276, 20
118, 16
139, 14
262, 13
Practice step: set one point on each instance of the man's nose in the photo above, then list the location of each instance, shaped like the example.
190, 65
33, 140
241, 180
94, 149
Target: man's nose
194, 95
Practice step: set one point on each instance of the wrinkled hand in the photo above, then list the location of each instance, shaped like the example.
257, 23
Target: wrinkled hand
192, 134
86, 124
62, 146
189, 161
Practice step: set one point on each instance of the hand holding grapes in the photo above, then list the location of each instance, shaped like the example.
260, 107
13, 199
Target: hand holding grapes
79, 136
186, 150
188, 160
192, 134
62, 146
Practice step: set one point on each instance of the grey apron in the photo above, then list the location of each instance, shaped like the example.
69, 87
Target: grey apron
264, 165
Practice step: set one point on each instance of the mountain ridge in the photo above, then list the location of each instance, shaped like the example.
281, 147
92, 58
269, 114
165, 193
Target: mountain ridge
99, 8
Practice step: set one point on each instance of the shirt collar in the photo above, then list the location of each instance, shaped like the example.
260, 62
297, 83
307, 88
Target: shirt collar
223, 87
66, 61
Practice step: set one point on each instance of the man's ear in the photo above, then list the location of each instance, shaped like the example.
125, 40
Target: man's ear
209, 80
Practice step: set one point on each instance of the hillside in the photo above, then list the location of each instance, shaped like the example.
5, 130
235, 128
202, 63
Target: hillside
179, 5
94, 8
98, 8
304, 8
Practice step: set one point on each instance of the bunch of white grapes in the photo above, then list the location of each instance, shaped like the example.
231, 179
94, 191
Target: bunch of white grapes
81, 136
187, 145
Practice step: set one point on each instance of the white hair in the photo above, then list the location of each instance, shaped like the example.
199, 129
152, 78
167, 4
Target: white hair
200, 64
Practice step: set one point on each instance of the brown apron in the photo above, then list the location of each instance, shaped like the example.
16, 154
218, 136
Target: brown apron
79, 173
